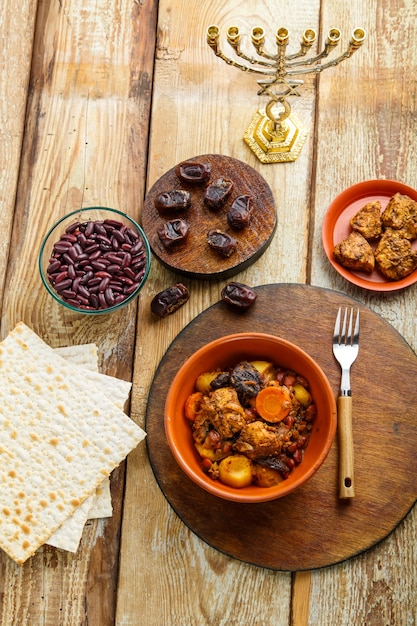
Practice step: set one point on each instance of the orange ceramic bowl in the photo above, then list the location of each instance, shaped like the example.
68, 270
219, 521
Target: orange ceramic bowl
226, 352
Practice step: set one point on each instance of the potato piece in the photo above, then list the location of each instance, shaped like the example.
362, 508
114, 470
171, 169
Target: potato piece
205, 453
265, 368
203, 381
267, 477
303, 396
236, 471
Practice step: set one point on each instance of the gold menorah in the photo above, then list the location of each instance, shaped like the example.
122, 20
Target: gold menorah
275, 134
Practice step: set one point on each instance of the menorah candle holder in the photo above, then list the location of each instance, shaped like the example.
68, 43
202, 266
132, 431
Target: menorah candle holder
275, 134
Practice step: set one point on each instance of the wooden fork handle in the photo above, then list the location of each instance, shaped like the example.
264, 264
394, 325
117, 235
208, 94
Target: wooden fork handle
344, 422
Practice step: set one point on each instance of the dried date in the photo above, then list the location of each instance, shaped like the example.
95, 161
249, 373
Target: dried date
240, 212
173, 232
221, 242
193, 172
217, 193
174, 200
238, 295
169, 300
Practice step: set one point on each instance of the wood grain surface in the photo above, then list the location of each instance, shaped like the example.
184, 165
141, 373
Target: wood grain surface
99, 100
312, 527
194, 257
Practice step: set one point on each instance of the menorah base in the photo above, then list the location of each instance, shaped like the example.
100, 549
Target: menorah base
272, 147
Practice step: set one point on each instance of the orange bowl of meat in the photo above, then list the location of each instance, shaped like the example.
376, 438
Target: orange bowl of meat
250, 417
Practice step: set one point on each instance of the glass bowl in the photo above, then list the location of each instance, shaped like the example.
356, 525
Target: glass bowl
94, 260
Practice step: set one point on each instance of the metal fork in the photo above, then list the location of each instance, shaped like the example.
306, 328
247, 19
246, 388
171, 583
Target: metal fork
345, 349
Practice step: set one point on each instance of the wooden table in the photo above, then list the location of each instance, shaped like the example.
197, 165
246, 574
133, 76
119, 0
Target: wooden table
98, 100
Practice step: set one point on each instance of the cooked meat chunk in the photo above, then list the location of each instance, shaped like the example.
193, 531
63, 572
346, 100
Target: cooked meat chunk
222, 411
401, 214
247, 381
394, 255
258, 440
367, 221
355, 253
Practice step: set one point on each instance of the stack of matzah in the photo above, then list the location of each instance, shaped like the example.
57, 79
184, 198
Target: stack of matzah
60, 437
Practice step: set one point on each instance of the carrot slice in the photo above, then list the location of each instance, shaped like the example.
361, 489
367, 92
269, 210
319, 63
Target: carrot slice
192, 405
273, 403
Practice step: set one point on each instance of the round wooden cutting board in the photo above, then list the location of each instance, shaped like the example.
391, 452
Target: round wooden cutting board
312, 527
194, 257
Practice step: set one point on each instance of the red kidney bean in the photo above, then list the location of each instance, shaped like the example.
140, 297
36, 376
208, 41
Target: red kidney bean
109, 295
69, 237
113, 257
104, 239
83, 291
89, 229
54, 265
73, 253
64, 284
114, 223
73, 227
127, 260
61, 276
129, 273
118, 236
97, 264
298, 456
302, 440
132, 288
136, 248
104, 283
99, 228
92, 247
94, 301
68, 293
62, 246
76, 283
95, 254
96, 280
292, 448
116, 286
290, 463
82, 240
86, 277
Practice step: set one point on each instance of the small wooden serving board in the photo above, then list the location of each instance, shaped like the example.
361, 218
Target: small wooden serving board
312, 527
194, 257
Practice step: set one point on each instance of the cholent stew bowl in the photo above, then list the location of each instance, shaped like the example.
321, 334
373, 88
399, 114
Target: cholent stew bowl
235, 439
94, 260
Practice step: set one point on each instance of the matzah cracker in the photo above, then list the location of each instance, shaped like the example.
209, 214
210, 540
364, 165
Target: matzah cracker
101, 505
68, 535
85, 355
59, 440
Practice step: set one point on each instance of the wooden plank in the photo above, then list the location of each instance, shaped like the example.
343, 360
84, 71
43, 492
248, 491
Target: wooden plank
300, 598
365, 130
17, 22
201, 105
85, 144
